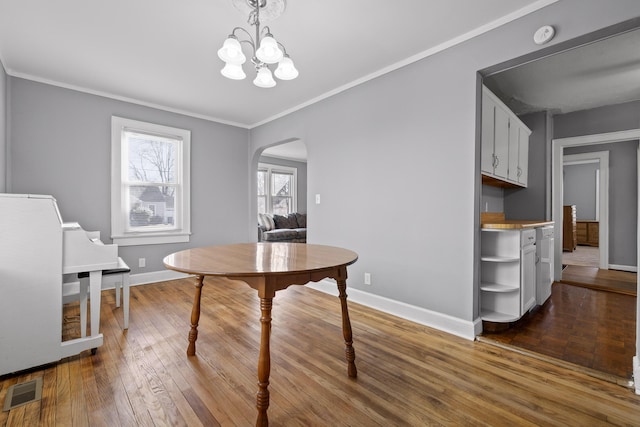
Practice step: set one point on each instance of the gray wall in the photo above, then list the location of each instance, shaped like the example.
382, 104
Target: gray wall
579, 189
396, 162
3, 128
492, 199
61, 145
302, 178
623, 198
531, 202
623, 201
597, 120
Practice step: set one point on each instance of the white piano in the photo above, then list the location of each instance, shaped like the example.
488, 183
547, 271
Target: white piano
37, 250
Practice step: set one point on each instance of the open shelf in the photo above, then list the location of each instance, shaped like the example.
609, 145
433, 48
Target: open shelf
494, 316
497, 287
495, 258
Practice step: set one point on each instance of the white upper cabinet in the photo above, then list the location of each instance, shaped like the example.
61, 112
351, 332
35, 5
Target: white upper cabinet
505, 142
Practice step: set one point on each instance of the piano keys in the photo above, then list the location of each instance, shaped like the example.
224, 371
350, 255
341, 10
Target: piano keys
37, 250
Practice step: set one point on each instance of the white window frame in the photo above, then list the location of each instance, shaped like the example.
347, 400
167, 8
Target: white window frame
120, 233
270, 168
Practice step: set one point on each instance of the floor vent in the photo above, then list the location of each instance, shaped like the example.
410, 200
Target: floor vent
23, 393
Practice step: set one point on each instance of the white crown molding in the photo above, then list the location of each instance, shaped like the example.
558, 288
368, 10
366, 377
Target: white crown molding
533, 7
432, 51
25, 76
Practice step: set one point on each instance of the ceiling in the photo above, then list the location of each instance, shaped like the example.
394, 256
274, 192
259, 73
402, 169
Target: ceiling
601, 73
162, 53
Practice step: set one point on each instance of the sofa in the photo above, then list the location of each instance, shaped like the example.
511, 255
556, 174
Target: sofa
279, 228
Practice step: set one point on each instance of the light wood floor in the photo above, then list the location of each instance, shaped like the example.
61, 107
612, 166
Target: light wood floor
408, 375
588, 256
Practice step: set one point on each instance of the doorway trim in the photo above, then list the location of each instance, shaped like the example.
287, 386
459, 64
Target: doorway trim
602, 198
558, 146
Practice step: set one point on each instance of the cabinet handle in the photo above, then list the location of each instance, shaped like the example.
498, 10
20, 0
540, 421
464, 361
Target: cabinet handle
497, 162
519, 171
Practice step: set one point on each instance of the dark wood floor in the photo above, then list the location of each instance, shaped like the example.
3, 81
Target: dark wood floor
408, 374
590, 328
594, 278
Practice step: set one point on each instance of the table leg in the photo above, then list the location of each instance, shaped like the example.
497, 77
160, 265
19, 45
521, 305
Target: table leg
264, 363
195, 317
346, 330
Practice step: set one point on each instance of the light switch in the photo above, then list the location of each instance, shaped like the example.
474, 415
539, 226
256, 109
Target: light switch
317, 199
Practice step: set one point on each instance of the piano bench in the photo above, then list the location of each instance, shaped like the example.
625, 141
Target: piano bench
119, 277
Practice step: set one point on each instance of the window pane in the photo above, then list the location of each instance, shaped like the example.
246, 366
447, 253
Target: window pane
151, 159
151, 205
262, 204
281, 184
262, 183
281, 205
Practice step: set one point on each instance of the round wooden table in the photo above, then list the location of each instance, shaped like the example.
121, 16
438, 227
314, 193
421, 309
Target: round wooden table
267, 268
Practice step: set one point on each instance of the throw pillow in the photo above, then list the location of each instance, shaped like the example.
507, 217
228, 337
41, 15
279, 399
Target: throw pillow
285, 221
266, 222
301, 218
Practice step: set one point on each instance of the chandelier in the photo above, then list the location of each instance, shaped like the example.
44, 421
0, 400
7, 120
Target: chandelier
266, 50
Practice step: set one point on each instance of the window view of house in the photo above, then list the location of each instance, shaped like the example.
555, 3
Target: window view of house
152, 183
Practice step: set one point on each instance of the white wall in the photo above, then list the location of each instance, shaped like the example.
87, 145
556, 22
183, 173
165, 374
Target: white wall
395, 161
3, 128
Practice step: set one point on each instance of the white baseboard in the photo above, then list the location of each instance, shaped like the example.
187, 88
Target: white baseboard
156, 276
636, 373
462, 328
150, 277
630, 268
453, 325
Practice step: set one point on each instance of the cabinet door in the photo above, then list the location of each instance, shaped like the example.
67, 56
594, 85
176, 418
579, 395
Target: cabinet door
488, 125
523, 156
528, 278
501, 143
512, 172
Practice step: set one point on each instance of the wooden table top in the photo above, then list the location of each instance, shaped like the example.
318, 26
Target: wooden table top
258, 259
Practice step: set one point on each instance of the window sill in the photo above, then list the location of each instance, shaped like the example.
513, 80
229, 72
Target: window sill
150, 239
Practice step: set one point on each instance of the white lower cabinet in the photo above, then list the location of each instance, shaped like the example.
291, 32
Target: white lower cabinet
508, 281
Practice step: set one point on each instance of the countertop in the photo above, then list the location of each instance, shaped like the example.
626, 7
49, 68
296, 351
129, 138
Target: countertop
497, 221
515, 224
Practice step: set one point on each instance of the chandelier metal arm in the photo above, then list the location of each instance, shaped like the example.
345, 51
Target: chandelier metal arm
284, 50
250, 41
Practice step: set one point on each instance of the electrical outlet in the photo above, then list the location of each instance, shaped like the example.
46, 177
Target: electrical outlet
367, 278
142, 262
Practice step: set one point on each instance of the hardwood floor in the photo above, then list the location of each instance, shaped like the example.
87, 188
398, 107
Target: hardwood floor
588, 256
622, 282
408, 374
590, 328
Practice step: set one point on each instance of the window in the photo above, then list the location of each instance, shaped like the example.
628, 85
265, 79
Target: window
276, 189
149, 183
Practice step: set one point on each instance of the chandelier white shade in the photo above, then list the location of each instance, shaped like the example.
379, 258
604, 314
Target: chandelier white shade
286, 70
233, 72
264, 78
265, 48
269, 52
231, 52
